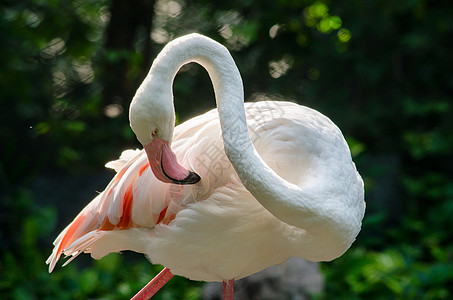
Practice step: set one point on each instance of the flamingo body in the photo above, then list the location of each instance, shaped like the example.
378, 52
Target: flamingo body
214, 230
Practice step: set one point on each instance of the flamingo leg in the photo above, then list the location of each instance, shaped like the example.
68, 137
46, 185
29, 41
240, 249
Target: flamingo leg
154, 285
228, 290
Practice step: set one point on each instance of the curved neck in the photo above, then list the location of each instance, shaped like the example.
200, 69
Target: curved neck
225, 78
284, 200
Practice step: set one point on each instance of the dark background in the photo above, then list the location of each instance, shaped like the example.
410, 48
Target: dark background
381, 70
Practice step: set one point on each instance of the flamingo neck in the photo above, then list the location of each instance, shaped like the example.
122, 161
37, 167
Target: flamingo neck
286, 201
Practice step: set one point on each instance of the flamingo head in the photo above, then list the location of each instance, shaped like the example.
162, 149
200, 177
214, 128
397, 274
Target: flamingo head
152, 118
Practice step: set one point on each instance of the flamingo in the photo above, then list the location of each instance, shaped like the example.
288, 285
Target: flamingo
227, 193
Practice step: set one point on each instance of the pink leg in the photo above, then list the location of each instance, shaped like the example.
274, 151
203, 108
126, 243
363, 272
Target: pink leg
154, 285
228, 290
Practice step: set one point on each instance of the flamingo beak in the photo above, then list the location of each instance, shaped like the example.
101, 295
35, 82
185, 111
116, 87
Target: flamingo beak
165, 166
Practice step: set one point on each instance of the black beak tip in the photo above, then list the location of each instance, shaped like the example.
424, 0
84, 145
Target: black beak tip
192, 178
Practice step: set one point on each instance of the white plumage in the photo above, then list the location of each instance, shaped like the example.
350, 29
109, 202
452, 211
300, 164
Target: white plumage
298, 194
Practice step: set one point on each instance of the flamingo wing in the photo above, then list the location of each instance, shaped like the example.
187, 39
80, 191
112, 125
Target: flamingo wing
131, 205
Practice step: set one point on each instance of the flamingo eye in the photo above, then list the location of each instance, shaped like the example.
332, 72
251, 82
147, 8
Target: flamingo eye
154, 132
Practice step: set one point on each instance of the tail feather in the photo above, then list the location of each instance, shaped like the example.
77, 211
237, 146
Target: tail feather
82, 224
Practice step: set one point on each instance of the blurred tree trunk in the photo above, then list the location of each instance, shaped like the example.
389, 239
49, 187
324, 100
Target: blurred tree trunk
127, 34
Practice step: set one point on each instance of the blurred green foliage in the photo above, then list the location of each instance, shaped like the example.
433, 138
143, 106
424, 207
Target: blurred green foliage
381, 70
